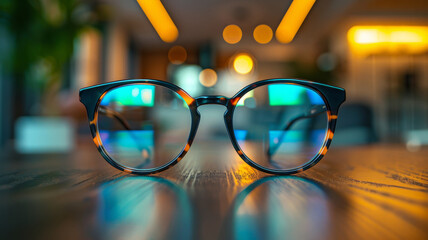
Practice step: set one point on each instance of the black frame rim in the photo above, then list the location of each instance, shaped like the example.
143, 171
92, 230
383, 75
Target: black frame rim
333, 97
326, 143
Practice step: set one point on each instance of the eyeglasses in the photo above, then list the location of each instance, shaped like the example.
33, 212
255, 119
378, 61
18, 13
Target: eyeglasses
279, 126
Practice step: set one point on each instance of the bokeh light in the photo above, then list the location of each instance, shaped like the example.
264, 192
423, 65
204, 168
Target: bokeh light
232, 34
187, 77
177, 55
263, 34
326, 62
243, 63
208, 77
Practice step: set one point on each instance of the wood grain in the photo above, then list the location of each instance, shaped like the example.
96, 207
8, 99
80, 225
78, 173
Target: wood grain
367, 192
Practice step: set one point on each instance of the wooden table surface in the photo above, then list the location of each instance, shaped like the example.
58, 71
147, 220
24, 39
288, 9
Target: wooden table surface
367, 192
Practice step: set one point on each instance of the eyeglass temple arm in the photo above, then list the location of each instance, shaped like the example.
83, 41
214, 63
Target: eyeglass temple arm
312, 113
111, 113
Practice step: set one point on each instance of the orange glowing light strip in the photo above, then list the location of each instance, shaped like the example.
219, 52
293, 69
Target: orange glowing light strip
293, 19
160, 19
365, 40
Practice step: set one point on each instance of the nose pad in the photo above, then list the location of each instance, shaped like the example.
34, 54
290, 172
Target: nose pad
218, 100
211, 125
228, 123
204, 100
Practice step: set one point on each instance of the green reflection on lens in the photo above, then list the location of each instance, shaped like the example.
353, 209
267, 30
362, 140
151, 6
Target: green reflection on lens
285, 94
135, 95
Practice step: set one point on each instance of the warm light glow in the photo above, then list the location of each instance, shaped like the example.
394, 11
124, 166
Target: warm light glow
160, 19
293, 19
208, 77
187, 77
366, 40
366, 36
243, 63
177, 55
263, 34
232, 34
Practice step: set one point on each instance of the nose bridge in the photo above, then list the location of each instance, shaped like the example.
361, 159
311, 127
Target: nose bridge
214, 99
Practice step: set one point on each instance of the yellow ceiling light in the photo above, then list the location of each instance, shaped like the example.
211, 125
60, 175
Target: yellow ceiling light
208, 77
243, 63
160, 19
366, 40
177, 55
293, 19
232, 34
263, 34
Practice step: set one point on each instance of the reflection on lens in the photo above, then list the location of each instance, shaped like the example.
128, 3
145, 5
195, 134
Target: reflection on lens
281, 126
143, 126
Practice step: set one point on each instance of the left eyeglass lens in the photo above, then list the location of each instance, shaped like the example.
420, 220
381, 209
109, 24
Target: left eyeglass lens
143, 126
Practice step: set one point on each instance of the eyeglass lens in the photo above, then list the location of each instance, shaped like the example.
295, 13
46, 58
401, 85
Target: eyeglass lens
143, 126
281, 126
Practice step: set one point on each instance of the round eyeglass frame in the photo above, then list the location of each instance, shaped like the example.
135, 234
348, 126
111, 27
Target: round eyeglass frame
332, 96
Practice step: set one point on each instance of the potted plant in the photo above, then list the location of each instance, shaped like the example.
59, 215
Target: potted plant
43, 35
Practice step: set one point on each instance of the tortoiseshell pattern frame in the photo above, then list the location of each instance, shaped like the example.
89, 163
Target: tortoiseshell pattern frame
332, 96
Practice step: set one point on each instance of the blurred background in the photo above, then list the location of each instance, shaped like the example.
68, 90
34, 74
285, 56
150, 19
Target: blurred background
376, 49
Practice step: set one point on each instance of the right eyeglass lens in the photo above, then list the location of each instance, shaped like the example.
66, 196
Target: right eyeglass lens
281, 126
143, 126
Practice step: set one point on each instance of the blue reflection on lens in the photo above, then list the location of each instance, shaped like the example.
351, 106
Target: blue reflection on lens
136, 145
286, 94
134, 95
317, 136
295, 136
240, 134
125, 140
315, 98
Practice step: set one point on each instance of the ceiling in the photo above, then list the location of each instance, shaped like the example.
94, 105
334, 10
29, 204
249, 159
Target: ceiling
200, 22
